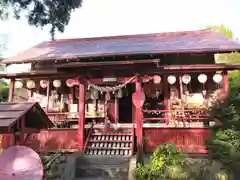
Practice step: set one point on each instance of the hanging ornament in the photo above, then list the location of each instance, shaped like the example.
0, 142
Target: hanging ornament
44, 84
186, 78
217, 78
120, 93
202, 78
156, 79
171, 79
31, 84
157, 93
204, 92
57, 83
70, 82
94, 94
107, 96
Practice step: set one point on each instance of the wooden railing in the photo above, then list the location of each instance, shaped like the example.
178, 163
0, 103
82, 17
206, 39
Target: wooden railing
132, 146
179, 115
88, 137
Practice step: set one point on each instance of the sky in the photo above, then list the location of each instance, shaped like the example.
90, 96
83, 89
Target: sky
121, 17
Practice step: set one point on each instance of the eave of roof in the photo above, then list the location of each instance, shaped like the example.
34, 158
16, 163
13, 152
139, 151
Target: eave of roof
201, 41
161, 69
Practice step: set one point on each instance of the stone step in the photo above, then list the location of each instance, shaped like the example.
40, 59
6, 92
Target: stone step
102, 167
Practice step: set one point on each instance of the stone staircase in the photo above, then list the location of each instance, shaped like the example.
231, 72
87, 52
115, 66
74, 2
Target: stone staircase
107, 156
111, 143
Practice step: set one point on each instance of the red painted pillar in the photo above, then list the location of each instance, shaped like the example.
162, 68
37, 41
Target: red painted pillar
81, 116
225, 82
11, 90
138, 100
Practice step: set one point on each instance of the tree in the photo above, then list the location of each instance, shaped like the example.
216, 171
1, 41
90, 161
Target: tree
40, 13
3, 10
3, 84
223, 30
231, 58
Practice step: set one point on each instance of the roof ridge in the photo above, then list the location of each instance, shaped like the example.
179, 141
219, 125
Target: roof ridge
126, 36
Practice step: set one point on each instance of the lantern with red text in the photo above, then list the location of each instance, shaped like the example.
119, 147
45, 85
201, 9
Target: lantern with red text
44, 84
70, 82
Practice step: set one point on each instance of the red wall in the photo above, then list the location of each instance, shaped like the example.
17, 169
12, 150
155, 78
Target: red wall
49, 141
188, 140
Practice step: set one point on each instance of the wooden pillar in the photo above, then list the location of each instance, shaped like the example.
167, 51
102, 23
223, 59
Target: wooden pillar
225, 82
166, 99
11, 90
22, 130
81, 115
116, 112
138, 100
48, 95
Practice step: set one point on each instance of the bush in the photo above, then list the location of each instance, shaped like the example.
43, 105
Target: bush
166, 163
224, 145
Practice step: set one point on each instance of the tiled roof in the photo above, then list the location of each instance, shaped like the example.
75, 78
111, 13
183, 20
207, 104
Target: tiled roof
160, 43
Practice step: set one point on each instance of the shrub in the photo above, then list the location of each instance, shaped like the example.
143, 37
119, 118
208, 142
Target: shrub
166, 163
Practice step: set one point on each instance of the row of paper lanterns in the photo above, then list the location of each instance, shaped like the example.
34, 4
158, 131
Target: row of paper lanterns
186, 78
44, 83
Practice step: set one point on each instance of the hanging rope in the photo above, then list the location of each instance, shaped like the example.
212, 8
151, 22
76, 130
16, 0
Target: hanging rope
111, 89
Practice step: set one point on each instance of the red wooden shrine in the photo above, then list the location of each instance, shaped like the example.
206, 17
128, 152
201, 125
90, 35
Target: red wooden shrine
103, 93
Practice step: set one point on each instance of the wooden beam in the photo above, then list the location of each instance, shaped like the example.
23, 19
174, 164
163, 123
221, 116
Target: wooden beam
106, 63
31, 130
81, 116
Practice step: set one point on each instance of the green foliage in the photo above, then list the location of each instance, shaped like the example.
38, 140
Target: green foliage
230, 58
55, 13
3, 91
224, 144
3, 10
51, 163
166, 163
222, 29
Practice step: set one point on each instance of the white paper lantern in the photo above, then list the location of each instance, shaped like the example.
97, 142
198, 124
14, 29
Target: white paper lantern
156, 79
57, 83
202, 78
171, 79
44, 84
217, 78
186, 79
31, 84
18, 84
